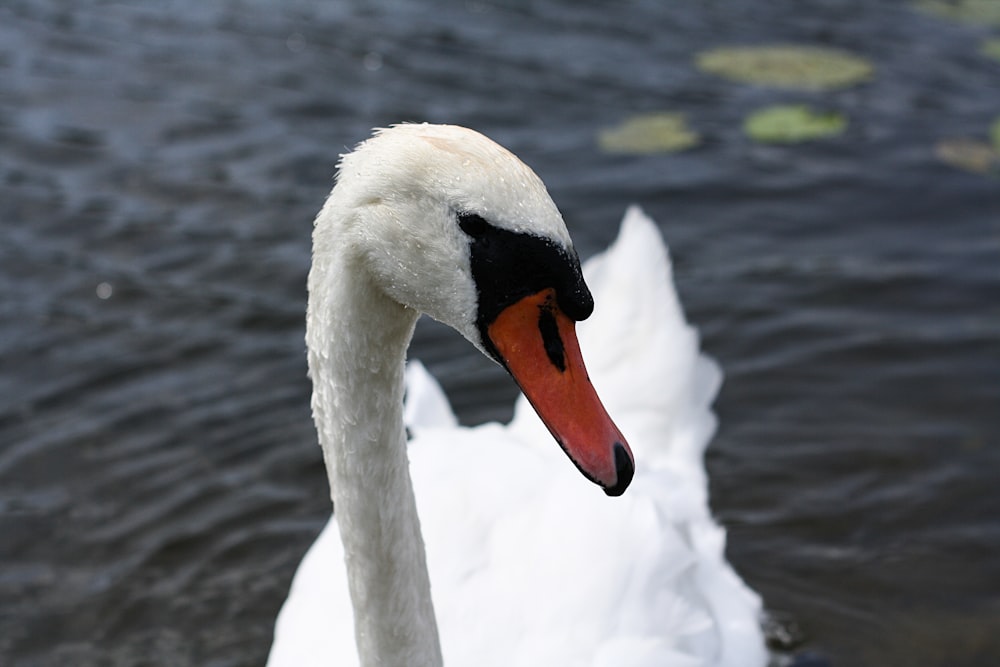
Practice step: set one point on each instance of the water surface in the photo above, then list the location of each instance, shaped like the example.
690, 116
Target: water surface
160, 165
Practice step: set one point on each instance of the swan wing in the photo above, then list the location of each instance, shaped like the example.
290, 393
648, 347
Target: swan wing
426, 405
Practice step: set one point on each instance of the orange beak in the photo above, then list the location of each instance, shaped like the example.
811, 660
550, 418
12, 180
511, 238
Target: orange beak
537, 343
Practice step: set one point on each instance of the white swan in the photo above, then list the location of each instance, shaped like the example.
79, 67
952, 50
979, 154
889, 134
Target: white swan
529, 564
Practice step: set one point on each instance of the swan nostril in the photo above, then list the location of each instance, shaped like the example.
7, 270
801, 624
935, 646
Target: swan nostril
624, 468
551, 340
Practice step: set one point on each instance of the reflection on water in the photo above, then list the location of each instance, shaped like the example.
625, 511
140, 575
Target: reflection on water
161, 165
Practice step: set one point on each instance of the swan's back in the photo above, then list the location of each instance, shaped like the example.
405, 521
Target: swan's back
529, 564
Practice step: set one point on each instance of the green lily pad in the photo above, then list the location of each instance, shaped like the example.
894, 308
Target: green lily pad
968, 154
789, 124
649, 133
982, 12
991, 48
799, 67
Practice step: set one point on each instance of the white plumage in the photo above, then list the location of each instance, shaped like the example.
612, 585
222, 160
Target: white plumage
529, 564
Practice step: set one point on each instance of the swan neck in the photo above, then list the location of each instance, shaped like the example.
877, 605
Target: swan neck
357, 339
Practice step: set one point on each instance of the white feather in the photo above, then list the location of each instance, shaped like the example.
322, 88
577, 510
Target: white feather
529, 565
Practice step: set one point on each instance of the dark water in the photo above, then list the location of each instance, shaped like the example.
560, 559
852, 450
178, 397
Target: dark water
159, 477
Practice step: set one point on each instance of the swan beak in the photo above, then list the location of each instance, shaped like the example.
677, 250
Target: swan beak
537, 343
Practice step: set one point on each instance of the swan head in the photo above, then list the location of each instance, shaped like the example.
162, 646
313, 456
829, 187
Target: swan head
449, 223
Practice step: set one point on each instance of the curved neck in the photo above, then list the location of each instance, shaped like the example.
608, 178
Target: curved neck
357, 339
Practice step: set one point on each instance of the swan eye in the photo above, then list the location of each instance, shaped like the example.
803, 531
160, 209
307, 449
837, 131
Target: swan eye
473, 224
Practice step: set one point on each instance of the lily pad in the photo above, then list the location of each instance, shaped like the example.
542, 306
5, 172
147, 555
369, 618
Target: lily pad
991, 48
789, 124
799, 67
968, 154
649, 133
982, 12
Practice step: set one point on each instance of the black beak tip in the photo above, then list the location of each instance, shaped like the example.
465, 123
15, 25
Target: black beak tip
625, 469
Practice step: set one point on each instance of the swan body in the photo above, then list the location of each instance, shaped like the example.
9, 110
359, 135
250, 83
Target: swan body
527, 564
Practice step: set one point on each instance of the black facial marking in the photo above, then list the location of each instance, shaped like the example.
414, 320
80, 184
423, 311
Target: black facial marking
508, 266
473, 225
551, 338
